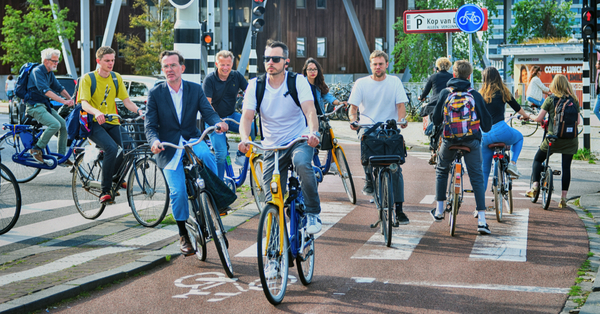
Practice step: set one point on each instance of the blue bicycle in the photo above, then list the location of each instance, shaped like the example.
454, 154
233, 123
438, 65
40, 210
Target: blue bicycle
17, 143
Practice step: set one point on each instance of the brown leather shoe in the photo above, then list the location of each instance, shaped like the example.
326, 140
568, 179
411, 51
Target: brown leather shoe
37, 154
186, 246
67, 163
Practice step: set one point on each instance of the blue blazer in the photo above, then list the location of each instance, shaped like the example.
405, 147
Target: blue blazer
161, 118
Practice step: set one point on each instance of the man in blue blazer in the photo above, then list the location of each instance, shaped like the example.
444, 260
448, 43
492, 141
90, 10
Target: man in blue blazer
171, 117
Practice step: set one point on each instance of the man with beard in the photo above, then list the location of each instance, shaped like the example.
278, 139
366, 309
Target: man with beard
380, 97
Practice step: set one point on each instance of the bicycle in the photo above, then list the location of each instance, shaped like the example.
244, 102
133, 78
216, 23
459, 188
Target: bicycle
256, 185
204, 222
382, 168
529, 127
502, 181
454, 197
19, 139
147, 191
336, 153
546, 185
275, 246
10, 198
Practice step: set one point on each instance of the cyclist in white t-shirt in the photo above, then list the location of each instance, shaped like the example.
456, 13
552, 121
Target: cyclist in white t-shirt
282, 122
380, 97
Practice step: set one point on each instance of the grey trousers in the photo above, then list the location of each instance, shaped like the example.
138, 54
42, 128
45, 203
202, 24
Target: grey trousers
53, 122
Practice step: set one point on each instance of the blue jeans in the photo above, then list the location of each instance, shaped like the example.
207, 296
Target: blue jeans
597, 107
176, 182
300, 155
219, 142
473, 161
539, 103
500, 133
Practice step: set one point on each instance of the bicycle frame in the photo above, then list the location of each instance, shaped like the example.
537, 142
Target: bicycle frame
250, 156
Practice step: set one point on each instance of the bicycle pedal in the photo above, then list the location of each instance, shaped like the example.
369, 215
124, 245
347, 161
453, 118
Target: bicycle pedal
556, 172
372, 201
468, 191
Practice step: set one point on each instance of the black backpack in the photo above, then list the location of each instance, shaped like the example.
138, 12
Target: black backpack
23, 79
565, 117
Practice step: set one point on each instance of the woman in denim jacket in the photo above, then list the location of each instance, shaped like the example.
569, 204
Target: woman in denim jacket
313, 71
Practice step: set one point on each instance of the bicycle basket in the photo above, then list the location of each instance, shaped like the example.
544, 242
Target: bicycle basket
133, 137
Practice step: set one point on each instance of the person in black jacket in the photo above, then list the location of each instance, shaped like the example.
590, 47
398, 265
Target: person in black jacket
435, 84
462, 70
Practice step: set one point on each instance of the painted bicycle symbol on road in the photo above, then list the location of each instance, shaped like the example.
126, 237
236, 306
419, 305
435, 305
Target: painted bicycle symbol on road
469, 17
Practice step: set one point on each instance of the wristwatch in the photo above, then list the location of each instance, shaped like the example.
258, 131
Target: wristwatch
317, 134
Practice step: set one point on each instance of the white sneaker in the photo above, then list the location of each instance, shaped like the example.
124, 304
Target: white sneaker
313, 224
240, 160
271, 270
512, 169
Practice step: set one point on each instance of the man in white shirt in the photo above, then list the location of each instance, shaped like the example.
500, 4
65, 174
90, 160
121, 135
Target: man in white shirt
380, 97
283, 120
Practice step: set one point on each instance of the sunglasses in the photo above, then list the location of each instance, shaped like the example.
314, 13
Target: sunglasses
275, 59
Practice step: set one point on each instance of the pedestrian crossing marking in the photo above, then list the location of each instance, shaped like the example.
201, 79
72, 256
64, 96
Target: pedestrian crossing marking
331, 213
508, 241
428, 199
404, 240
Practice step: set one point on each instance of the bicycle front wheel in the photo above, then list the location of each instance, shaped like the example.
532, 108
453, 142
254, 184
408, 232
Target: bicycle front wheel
258, 190
10, 200
345, 174
273, 258
195, 230
215, 227
86, 187
498, 183
386, 190
147, 192
305, 259
536, 195
546, 187
14, 145
527, 128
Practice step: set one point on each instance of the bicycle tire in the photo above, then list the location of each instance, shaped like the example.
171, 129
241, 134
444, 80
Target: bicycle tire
345, 174
510, 199
215, 227
85, 185
258, 192
10, 200
305, 258
580, 125
498, 182
197, 235
547, 188
386, 190
272, 260
14, 145
527, 128
536, 194
147, 192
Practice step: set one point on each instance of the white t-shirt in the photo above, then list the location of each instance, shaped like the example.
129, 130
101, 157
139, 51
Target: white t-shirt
282, 120
10, 84
376, 100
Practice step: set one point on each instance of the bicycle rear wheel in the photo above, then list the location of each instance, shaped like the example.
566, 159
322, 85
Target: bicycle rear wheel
507, 193
14, 145
536, 195
258, 192
386, 190
273, 260
215, 227
498, 183
527, 128
454, 200
10, 200
147, 192
195, 226
86, 188
345, 174
305, 258
547, 187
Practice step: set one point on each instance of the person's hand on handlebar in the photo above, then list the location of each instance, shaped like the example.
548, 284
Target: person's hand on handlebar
313, 139
223, 127
156, 147
100, 118
354, 125
243, 147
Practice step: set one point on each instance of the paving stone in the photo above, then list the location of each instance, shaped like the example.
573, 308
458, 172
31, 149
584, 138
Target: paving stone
592, 304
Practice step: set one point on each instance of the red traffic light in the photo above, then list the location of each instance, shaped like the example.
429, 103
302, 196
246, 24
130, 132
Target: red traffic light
588, 16
259, 1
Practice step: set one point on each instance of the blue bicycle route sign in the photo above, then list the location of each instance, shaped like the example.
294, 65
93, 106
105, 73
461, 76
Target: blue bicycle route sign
470, 18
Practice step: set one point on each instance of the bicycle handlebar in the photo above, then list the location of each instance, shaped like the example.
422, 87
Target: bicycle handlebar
332, 112
112, 116
290, 144
206, 132
231, 120
369, 125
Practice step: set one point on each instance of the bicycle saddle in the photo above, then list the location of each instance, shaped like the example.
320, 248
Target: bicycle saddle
29, 120
458, 147
493, 145
551, 137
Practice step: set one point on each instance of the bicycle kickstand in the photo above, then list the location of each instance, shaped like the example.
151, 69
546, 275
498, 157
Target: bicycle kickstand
375, 224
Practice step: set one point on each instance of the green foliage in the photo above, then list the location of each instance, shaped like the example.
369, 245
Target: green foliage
541, 19
584, 154
158, 22
26, 35
418, 52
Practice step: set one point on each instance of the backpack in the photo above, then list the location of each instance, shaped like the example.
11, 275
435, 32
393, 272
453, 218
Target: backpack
23, 79
565, 118
460, 118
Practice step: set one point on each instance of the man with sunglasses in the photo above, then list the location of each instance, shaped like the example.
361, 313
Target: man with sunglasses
41, 87
283, 120
101, 101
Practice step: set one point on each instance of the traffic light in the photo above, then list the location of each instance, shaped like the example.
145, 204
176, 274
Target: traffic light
588, 23
258, 12
207, 39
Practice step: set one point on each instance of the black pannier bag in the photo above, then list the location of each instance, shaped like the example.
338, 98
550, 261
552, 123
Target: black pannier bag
325, 142
378, 142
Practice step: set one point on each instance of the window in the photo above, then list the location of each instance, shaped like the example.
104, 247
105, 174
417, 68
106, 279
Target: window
99, 2
98, 42
301, 47
300, 4
321, 4
124, 3
321, 47
378, 4
138, 89
379, 43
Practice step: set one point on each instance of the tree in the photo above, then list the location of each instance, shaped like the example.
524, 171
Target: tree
26, 35
418, 52
157, 19
541, 19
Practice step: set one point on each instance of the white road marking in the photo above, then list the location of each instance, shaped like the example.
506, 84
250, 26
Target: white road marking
404, 240
331, 213
508, 241
486, 287
363, 279
428, 199
49, 205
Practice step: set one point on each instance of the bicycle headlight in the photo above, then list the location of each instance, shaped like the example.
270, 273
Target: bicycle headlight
200, 183
335, 141
394, 167
274, 188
